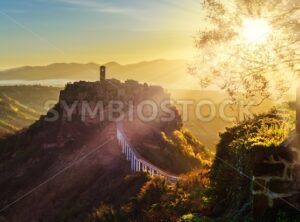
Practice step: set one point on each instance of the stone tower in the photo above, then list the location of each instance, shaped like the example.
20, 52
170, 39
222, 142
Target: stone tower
102, 73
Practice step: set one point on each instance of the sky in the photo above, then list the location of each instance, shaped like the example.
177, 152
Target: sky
38, 32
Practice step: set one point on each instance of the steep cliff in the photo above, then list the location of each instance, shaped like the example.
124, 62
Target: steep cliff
68, 162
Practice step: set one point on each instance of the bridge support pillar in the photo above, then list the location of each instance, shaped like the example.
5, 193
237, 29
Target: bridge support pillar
139, 166
128, 154
136, 164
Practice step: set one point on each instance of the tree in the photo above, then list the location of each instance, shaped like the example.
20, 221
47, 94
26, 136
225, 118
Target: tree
248, 48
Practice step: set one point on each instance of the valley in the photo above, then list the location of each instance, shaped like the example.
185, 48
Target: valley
22, 105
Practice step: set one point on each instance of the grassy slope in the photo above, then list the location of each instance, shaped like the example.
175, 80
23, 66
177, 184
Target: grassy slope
171, 148
22, 105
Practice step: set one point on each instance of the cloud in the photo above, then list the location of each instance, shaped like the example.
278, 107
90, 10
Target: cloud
97, 6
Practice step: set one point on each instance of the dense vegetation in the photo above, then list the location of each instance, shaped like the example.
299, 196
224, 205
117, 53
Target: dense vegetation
183, 143
231, 171
160, 201
179, 152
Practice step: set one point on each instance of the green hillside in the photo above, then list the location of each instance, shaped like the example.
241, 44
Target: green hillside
20, 106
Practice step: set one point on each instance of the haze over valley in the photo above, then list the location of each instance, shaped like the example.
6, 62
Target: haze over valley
168, 73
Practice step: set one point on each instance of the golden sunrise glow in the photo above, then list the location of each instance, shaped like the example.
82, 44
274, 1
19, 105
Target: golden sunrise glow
255, 30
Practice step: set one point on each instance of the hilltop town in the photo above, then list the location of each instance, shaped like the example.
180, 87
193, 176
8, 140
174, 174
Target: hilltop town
111, 89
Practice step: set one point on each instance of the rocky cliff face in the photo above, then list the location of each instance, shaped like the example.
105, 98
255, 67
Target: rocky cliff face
64, 183
258, 167
60, 169
94, 104
276, 184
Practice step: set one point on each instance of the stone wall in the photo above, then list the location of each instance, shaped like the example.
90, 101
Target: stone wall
276, 178
82, 95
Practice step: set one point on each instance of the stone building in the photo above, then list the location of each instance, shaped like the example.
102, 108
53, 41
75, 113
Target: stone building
102, 73
107, 90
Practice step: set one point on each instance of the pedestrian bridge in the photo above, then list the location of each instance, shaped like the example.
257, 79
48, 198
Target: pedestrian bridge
138, 163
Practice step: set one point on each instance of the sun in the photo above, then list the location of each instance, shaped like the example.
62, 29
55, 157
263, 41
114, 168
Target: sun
255, 30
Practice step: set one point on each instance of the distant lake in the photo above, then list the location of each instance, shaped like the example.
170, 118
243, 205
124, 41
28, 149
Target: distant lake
48, 82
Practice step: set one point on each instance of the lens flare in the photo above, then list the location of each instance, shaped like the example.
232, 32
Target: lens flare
255, 31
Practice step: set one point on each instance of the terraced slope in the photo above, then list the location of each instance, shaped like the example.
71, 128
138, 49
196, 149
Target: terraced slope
20, 106
14, 115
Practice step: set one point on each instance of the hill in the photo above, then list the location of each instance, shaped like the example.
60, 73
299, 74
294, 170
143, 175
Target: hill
35, 97
168, 73
22, 105
14, 116
63, 170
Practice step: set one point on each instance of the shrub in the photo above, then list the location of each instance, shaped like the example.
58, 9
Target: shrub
231, 172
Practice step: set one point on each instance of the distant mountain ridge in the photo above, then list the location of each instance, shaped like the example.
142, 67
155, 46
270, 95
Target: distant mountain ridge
169, 73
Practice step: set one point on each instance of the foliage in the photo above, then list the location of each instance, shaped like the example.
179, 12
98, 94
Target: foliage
184, 142
161, 201
178, 152
229, 62
103, 214
231, 171
190, 218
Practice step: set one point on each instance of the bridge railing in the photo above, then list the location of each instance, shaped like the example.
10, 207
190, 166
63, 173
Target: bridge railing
137, 163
